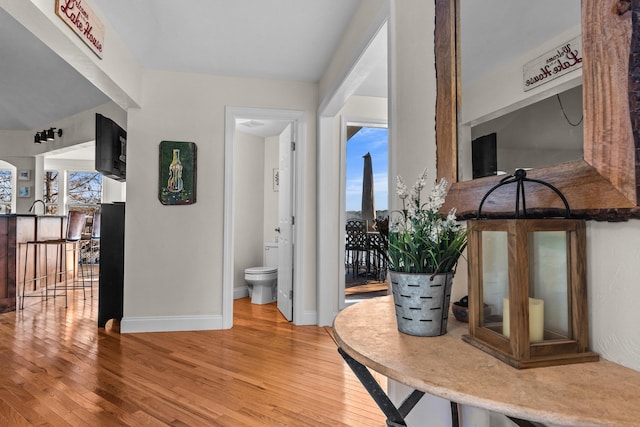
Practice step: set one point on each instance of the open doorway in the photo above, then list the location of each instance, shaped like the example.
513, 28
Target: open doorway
366, 211
260, 199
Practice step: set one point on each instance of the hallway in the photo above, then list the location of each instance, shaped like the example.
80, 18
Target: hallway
60, 370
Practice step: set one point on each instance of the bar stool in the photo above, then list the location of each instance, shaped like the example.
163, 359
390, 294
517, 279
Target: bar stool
37, 275
91, 250
76, 221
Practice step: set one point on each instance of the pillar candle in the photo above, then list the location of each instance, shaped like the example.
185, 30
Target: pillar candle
536, 319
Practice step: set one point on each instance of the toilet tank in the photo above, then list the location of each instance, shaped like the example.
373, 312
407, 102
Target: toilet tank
271, 255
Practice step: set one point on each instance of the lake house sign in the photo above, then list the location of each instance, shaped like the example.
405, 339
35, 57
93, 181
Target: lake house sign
553, 64
80, 18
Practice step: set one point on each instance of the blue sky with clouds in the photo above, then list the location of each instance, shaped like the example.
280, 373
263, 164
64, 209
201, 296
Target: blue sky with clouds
374, 141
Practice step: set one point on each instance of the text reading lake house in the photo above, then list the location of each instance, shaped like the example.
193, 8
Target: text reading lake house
553, 64
80, 18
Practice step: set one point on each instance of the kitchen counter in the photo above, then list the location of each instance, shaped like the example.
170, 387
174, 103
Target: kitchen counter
20, 228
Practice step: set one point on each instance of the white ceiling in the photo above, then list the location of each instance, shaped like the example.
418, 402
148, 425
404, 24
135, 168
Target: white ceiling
274, 39
277, 39
37, 87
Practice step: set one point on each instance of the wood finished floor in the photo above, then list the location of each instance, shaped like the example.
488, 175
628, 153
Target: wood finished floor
59, 369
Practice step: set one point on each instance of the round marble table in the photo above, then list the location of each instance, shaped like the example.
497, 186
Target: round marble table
587, 394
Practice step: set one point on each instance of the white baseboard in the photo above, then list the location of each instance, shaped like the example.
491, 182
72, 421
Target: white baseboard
308, 318
240, 292
170, 324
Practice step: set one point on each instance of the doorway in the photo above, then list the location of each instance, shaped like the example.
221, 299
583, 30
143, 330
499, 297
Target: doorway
261, 184
365, 201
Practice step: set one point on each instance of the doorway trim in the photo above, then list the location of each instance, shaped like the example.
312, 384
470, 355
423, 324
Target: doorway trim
329, 163
297, 119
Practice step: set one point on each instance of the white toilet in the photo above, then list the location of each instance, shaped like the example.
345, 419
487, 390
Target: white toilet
263, 281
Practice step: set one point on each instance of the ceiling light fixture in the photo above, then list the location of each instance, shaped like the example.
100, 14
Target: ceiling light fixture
46, 135
252, 123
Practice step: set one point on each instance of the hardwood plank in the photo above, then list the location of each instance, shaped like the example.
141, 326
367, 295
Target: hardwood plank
59, 369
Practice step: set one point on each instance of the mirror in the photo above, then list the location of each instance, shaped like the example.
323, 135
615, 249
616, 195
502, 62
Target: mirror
603, 185
510, 119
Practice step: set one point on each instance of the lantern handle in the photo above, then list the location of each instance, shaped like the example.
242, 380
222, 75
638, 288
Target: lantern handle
519, 177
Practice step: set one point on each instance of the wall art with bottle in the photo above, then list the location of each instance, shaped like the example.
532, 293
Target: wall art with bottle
177, 173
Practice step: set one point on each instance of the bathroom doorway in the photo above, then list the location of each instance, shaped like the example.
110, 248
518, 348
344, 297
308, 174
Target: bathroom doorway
260, 186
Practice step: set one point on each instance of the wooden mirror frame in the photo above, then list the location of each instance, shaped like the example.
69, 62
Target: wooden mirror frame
605, 185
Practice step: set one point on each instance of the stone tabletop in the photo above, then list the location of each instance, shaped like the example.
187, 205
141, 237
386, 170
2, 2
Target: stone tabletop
586, 394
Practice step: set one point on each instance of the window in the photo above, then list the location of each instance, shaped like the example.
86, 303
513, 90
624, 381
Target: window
50, 192
6, 190
84, 191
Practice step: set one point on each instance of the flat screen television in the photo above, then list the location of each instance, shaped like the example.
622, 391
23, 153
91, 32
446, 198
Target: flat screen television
111, 148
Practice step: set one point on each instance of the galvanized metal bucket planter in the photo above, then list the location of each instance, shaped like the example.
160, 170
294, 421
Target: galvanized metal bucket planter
421, 302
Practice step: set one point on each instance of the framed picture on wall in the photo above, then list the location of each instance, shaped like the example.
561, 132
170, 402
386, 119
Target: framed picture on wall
24, 191
276, 179
177, 173
24, 175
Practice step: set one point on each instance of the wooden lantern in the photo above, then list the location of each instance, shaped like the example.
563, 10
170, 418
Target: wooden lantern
527, 289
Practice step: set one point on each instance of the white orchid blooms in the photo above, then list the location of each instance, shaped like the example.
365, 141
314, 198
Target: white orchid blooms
421, 182
401, 188
437, 196
421, 239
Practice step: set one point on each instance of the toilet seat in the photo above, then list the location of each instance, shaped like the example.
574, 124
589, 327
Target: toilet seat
261, 270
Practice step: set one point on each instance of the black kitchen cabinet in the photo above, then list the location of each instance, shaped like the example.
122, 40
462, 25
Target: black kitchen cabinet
111, 262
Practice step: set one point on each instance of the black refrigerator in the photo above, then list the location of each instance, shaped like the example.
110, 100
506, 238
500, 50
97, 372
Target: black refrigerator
111, 262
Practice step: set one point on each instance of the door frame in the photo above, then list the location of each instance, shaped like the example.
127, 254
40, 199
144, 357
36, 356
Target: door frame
330, 269
297, 118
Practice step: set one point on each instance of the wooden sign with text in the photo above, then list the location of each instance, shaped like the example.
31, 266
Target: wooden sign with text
553, 64
80, 18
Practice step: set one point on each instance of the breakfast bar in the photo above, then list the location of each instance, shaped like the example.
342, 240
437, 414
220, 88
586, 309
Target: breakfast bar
586, 394
15, 230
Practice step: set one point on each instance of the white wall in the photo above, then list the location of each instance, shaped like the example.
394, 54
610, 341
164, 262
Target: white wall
113, 191
412, 91
249, 202
366, 19
364, 109
173, 267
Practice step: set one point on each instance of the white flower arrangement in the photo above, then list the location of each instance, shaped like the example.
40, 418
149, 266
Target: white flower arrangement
421, 239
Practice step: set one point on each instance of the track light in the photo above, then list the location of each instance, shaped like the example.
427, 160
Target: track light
46, 135
50, 133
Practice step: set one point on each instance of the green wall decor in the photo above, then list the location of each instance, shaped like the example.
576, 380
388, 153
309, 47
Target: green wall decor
177, 174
